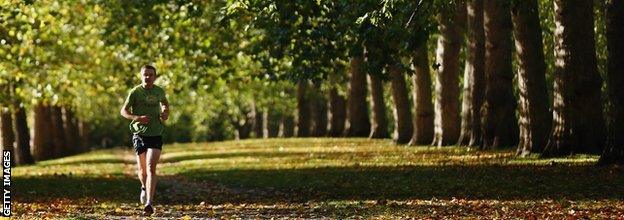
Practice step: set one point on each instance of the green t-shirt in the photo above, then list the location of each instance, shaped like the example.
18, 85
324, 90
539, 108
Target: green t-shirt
144, 101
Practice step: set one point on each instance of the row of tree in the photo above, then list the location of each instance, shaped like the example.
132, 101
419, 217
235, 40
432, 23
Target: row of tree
376, 45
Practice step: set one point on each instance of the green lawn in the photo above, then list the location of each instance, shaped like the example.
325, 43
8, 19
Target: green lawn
321, 177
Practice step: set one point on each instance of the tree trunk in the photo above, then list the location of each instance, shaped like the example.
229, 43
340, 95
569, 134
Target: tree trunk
273, 123
421, 89
42, 142
614, 152
22, 136
303, 110
6, 131
499, 124
337, 113
358, 124
474, 77
578, 124
70, 126
447, 125
379, 125
287, 126
85, 134
258, 122
319, 111
58, 133
402, 111
265, 124
535, 118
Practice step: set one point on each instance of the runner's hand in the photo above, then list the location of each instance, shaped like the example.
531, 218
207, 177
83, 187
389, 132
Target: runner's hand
143, 119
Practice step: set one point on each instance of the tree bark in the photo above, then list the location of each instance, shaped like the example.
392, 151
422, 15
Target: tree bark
379, 125
447, 119
614, 151
535, 119
337, 113
42, 142
287, 126
22, 136
6, 129
402, 111
358, 124
319, 111
421, 89
578, 124
474, 77
303, 110
57, 132
499, 124
85, 134
70, 126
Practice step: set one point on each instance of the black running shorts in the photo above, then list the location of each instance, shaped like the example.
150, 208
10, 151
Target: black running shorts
141, 143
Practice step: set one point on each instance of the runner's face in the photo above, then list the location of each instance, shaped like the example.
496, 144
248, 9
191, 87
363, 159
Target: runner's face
148, 76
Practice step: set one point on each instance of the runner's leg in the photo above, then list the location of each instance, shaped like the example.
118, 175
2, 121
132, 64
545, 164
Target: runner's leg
142, 171
153, 155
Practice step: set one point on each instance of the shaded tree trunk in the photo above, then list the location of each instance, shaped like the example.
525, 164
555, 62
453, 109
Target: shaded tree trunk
358, 124
85, 134
402, 111
337, 113
319, 111
57, 132
474, 77
22, 136
614, 152
70, 126
273, 123
43, 147
379, 125
535, 119
287, 126
421, 89
578, 124
499, 124
303, 110
447, 119
265, 124
257, 125
6, 131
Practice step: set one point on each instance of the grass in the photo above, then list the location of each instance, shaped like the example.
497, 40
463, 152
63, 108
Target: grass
322, 177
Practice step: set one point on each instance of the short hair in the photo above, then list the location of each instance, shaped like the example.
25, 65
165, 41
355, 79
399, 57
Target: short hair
150, 67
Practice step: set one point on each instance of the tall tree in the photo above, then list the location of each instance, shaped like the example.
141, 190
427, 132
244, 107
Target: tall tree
318, 108
474, 76
22, 136
57, 132
43, 147
6, 132
358, 124
535, 119
499, 124
614, 151
379, 124
303, 109
450, 20
402, 110
578, 124
70, 126
338, 113
421, 90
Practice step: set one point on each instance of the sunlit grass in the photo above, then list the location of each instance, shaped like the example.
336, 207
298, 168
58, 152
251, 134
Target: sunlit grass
316, 177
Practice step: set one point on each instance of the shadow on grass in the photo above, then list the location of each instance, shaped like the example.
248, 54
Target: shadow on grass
90, 161
350, 183
415, 182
